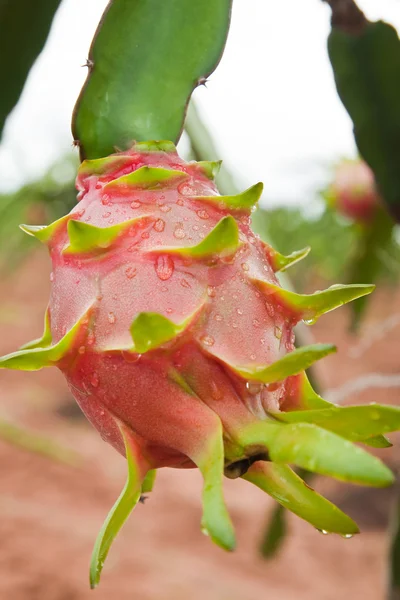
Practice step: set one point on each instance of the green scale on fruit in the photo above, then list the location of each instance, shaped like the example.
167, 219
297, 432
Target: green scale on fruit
172, 330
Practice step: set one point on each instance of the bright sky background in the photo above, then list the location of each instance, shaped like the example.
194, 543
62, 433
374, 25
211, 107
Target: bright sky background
271, 104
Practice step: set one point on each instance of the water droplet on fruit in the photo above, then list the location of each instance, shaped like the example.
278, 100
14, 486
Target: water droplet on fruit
239, 311
184, 189
347, 536
52, 276
270, 309
256, 323
254, 387
253, 357
135, 204
234, 325
207, 340
323, 531
218, 317
111, 318
277, 332
179, 233
94, 380
159, 225
90, 338
211, 291
195, 228
131, 272
106, 215
245, 266
169, 311
309, 321
105, 199
203, 214
215, 391
130, 357
164, 267
185, 283
81, 350
165, 208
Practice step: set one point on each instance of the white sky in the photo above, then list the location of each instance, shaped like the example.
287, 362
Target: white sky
271, 104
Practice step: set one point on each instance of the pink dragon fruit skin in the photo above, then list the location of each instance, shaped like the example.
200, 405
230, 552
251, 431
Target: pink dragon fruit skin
169, 323
355, 191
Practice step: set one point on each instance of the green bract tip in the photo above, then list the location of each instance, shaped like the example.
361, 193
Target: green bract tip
280, 262
290, 364
317, 450
46, 338
310, 307
146, 178
84, 237
120, 511
287, 488
244, 201
36, 357
151, 330
44, 233
222, 241
209, 168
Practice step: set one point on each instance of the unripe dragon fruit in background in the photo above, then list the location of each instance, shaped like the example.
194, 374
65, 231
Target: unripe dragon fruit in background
354, 192
176, 339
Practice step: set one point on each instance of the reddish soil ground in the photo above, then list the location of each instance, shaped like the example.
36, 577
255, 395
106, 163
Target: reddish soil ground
50, 513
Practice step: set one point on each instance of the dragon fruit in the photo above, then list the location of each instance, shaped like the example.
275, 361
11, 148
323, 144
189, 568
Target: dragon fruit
354, 192
176, 339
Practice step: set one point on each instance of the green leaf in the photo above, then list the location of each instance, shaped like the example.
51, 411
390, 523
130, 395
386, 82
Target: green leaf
148, 481
145, 60
377, 441
244, 201
117, 516
146, 177
35, 358
290, 364
317, 450
287, 488
369, 261
151, 330
44, 233
355, 423
210, 168
46, 338
34, 442
24, 27
366, 66
84, 237
280, 262
222, 241
275, 533
102, 166
311, 306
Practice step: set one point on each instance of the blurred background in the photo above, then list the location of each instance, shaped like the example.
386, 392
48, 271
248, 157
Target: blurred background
274, 115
